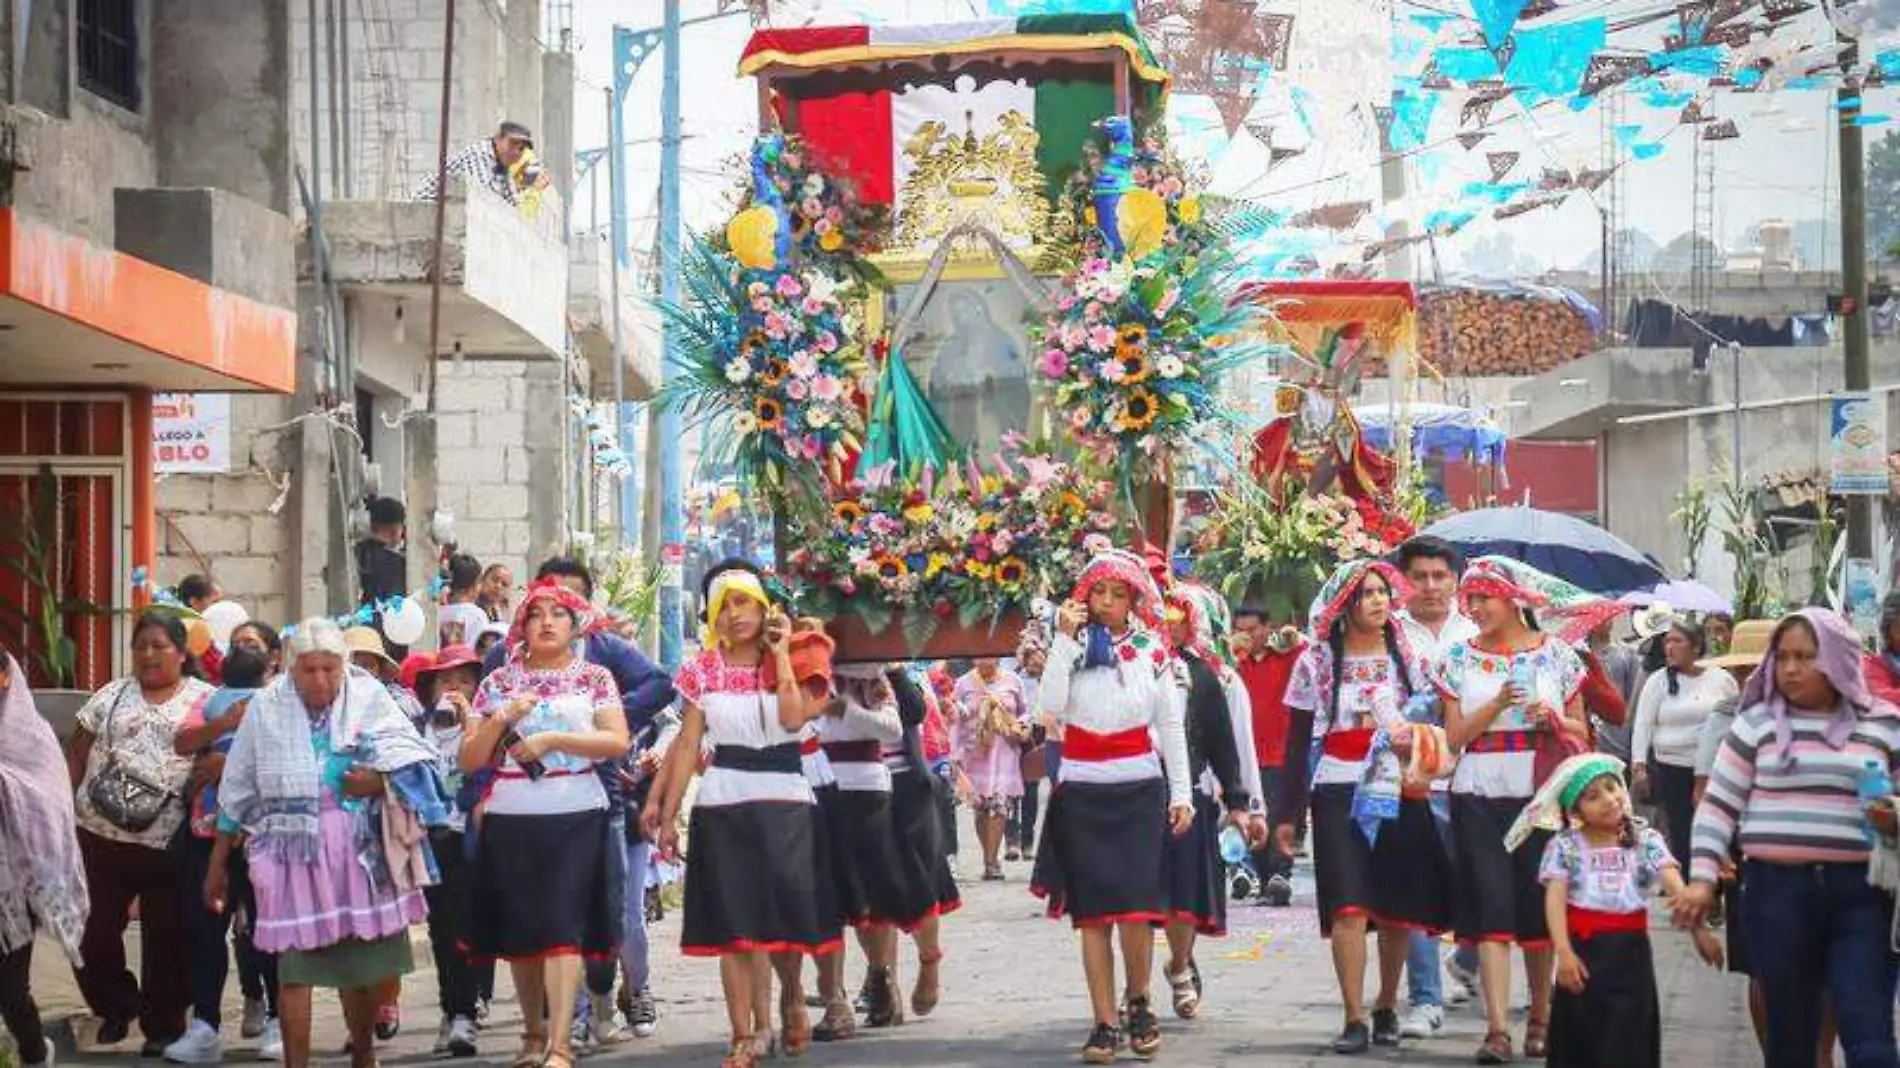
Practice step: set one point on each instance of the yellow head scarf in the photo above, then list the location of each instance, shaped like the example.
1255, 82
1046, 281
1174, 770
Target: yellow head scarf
724, 585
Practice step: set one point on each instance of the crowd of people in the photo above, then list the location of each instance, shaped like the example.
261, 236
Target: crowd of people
1461, 747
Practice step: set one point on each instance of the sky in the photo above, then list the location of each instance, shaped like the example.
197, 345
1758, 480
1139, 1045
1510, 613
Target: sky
1783, 166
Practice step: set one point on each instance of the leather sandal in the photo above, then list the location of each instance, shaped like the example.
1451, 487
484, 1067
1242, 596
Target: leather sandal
929, 989
795, 1035
1496, 1048
534, 1052
1537, 1039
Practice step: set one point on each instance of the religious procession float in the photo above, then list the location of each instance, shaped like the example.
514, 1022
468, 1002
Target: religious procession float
972, 319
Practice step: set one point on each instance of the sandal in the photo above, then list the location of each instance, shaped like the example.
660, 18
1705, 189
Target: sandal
559, 1059
1496, 1048
886, 1010
1537, 1039
534, 1052
1187, 1000
1103, 1044
796, 1034
743, 1054
929, 988
1144, 1031
839, 1025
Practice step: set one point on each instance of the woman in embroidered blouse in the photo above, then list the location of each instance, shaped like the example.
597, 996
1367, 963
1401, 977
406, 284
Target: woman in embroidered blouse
311, 748
993, 721
1349, 689
540, 887
752, 876
1112, 684
131, 723
1503, 691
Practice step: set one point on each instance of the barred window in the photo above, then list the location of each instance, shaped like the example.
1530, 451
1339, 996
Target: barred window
106, 40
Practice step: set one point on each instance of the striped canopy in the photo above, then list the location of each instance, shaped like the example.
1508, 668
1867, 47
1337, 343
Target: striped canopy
818, 47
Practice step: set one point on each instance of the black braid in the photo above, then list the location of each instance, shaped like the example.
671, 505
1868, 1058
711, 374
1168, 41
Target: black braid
1403, 670
1627, 839
1336, 641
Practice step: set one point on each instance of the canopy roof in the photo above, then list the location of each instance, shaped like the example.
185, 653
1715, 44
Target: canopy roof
1386, 311
821, 47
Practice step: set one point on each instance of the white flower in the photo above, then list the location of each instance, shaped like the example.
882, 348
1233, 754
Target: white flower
1169, 367
738, 370
817, 418
745, 423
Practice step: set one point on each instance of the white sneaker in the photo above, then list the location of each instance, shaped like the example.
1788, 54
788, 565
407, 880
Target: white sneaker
956, 872
1461, 984
272, 1048
607, 1030
200, 1044
253, 1024
441, 1037
645, 1016
461, 1037
1423, 1021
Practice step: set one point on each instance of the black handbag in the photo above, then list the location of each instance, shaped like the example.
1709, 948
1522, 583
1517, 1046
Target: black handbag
122, 797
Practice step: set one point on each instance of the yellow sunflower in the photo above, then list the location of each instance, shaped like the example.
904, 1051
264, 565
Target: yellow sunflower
891, 567
770, 413
831, 240
772, 373
1011, 571
1073, 503
1138, 411
1134, 361
752, 343
847, 512
1132, 334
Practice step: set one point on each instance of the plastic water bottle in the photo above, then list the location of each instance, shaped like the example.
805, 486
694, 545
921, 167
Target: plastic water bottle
1524, 679
1873, 784
1233, 845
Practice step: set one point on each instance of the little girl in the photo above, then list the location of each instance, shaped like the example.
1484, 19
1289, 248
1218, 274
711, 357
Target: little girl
1599, 872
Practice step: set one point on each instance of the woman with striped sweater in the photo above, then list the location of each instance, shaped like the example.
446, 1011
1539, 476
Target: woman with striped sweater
1785, 787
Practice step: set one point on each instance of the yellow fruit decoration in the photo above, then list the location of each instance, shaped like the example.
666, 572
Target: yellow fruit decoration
752, 235
1189, 209
1142, 218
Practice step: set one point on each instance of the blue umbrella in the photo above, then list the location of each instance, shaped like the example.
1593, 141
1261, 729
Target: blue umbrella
1580, 553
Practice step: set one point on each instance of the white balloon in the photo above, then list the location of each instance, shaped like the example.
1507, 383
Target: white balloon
224, 617
405, 625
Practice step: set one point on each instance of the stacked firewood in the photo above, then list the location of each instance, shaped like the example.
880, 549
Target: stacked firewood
1477, 332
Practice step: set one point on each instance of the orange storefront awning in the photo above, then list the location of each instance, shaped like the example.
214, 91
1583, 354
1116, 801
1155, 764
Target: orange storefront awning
72, 312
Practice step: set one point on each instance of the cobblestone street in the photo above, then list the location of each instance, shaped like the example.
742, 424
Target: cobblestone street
1013, 996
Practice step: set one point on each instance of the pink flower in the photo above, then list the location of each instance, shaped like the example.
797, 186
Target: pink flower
803, 364
1073, 336
834, 215
762, 304
1094, 310
1111, 371
797, 390
1063, 305
1079, 418
1096, 543
826, 388
824, 226
789, 286
790, 159
813, 306
1102, 338
1055, 363
827, 341
850, 586
813, 207
775, 325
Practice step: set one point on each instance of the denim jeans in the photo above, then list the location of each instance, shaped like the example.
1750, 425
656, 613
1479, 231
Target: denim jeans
1818, 930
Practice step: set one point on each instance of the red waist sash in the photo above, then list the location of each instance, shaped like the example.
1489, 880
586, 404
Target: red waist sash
1588, 923
1352, 744
1084, 745
1503, 742
809, 746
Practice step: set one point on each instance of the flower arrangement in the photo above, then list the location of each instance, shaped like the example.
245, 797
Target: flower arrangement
1276, 556
1136, 345
830, 226
967, 544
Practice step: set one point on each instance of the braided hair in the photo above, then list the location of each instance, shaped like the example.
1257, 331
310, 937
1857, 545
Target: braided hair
1336, 641
1698, 640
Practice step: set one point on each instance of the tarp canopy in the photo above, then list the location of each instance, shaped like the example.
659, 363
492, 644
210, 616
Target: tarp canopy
1442, 430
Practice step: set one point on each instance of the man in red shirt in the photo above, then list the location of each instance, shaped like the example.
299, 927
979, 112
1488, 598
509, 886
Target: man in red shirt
1264, 656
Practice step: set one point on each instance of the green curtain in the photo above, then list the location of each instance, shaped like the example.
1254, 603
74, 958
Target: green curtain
904, 429
1066, 114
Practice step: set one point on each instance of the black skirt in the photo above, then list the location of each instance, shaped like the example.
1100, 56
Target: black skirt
1403, 881
541, 886
1100, 861
1734, 930
1499, 898
754, 882
930, 886
866, 865
1197, 884
1617, 1021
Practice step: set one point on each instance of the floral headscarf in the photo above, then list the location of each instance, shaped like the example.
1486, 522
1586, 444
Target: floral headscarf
1840, 661
1116, 565
1550, 809
549, 589
1208, 619
1562, 610
1343, 583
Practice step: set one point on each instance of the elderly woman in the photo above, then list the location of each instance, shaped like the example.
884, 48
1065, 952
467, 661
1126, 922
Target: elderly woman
992, 726
1785, 787
130, 787
541, 892
316, 746
42, 878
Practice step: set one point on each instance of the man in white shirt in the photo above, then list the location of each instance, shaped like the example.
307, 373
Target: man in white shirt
1433, 625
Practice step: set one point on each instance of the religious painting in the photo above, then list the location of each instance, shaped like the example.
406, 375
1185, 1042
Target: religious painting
970, 351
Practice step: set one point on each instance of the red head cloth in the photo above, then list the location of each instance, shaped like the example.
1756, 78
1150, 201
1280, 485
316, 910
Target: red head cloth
550, 589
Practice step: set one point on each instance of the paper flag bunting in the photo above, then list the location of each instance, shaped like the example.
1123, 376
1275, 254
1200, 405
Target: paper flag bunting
1721, 130
1341, 216
1528, 204
1647, 150
1869, 119
1605, 71
1501, 164
1506, 52
1496, 18
1593, 178
1782, 10
1692, 114
1537, 9
1552, 61
1555, 179
1471, 139
1410, 120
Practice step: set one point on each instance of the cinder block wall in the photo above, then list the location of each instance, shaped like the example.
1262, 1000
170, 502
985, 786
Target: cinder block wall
498, 459
224, 524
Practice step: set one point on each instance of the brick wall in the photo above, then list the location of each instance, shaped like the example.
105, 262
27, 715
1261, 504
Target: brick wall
223, 523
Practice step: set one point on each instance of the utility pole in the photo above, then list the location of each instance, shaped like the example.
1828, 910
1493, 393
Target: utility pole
617, 236
1860, 507
672, 504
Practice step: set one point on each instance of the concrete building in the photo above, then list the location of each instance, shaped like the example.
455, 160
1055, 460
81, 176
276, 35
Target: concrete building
478, 443
1660, 422
145, 245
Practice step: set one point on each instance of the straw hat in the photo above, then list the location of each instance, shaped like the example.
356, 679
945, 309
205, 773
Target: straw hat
1746, 645
1653, 619
366, 640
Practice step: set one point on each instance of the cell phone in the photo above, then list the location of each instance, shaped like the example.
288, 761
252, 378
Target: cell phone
444, 715
533, 769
